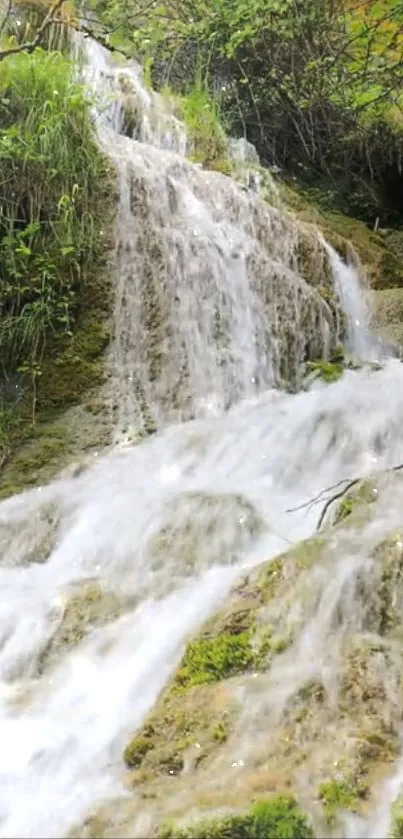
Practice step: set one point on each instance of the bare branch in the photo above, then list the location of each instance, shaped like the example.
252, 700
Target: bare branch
349, 484
317, 498
30, 46
335, 498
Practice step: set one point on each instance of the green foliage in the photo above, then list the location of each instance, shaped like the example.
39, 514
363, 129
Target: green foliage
338, 795
315, 85
201, 114
9, 432
328, 371
54, 208
211, 659
52, 205
396, 827
277, 818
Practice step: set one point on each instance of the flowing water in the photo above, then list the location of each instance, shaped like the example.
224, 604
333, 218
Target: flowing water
104, 576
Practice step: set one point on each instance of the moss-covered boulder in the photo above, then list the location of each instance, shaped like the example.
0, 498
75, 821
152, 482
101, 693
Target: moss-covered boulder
76, 614
387, 318
293, 687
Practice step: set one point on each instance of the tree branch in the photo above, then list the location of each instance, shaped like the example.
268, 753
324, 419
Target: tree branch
30, 46
335, 497
88, 33
349, 484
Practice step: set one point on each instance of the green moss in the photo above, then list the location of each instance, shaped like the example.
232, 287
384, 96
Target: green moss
328, 371
357, 499
337, 795
277, 818
34, 463
220, 731
211, 659
385, 601
378, 255
57, 292
137, 749
89, 607
270, 577
396, 826
190, 725
313, 689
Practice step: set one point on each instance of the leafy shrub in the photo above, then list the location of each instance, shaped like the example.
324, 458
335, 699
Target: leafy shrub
53, 201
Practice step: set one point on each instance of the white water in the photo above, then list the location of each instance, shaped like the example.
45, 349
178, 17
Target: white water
212, 305
166, 526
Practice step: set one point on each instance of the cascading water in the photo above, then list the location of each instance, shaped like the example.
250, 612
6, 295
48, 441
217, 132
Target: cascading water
219, 294
106, 575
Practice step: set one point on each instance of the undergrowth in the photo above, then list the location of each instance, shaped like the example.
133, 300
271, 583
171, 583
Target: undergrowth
54, 206
201, 114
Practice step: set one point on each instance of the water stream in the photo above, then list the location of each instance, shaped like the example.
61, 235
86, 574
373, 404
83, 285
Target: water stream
105, 575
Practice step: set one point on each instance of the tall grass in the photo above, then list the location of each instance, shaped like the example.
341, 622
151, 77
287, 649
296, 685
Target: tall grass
52, 203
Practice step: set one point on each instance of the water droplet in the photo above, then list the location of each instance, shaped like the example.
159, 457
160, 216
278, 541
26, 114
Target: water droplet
357, 323
253, 379
374, 459
198, 746
241, 520
375, 490
399, 544
254, 675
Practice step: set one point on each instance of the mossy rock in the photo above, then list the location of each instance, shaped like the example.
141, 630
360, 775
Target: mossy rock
69, 396
386, 602
277, 818
396, 825
89, 607
31, 541
204, 528
182, 730
387, 316
249, 712
347, 235
338, 795
327, 371
58, 439
212, 659
354, 504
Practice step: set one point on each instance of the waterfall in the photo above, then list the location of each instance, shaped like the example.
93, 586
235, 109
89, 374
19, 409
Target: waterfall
219, 294
106, 575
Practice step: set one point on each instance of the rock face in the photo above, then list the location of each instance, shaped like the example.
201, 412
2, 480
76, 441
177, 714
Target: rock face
387, 320
294, 687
